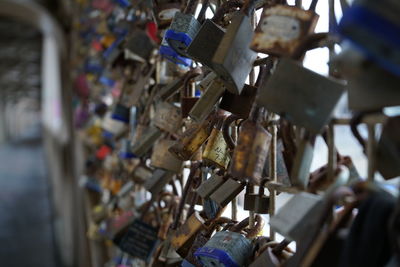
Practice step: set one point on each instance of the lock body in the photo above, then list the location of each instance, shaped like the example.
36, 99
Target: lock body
233, 59
239, 105
143, 144
315, 96
216, 152
183, 29
282, 29
250, 153
162, 158
207, 101
210, 185
192, 139
205, 43
158, 181
226, 192
168, 117
225, 249
139, 46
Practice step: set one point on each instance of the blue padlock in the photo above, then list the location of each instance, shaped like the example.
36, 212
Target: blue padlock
170, 54
371, 29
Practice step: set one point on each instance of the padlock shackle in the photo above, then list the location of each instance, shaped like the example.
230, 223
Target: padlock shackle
313, 5
248, 7
253, 232
186, 83
191, 7
225, 130
225, 8
310, 42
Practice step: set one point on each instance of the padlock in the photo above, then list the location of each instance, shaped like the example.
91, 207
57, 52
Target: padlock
138, 46
140, 240
162, 158
388, 151
289, 218
239, 105
149, 137
216, 152
158, 181
116, 224
282, 29
125, 151
272, 254
261, 204
112, 128
367, 37
192, 139
252, 149
183, 29
316, 96
184, 236
169, 89
363, 78
300, 174
202, 238
208, 186
281, 169
230, 248
121, 113
207, 101
249, 198
168, 117
226, 192
209, 36
171, 205
188, 100
141, 173
233, 59
167, 72
170, 54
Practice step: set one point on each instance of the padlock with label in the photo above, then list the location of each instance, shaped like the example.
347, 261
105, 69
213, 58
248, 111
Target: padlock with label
230, 248
193, 138
206, 42
140, 240
252, 149
282, 29
233, 59
226, 192
162, 158
207, 101
216, 152
168, 117
316, 96
183, 29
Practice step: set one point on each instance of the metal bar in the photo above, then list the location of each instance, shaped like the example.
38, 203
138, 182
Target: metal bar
273, 176
371, 145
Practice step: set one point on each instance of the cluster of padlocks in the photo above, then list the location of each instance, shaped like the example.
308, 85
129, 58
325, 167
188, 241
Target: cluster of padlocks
181, 111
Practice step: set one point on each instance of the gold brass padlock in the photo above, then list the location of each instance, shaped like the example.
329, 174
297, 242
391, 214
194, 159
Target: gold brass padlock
193, 138
162, 158
252, 149
216, 152
184, 235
